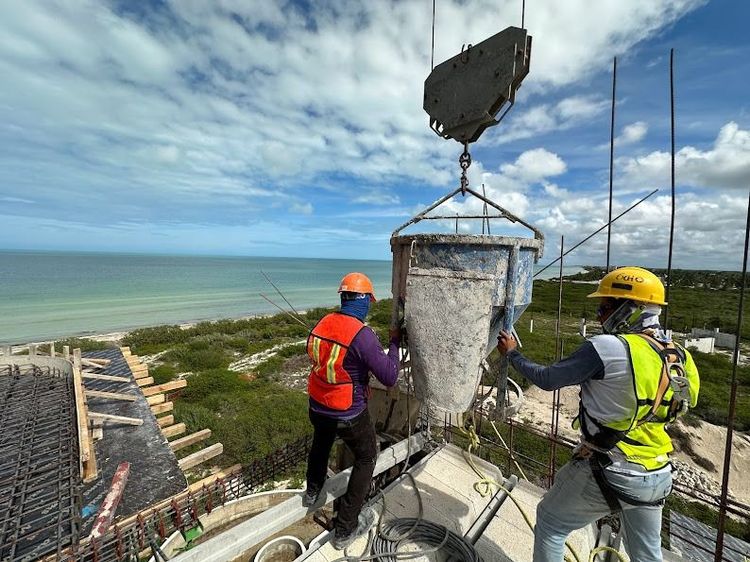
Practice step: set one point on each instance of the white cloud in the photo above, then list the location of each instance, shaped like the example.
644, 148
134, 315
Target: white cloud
725, 166
541, 119
534, 165
377, 198
302, 208
633, 133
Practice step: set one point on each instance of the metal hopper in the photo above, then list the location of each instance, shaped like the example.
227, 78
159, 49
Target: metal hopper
457, 292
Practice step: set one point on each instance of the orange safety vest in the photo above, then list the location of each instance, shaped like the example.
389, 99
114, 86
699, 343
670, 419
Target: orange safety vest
327, 345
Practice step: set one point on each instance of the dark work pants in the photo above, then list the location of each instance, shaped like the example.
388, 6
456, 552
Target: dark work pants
359, 435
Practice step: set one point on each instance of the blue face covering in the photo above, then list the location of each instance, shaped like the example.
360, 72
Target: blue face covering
357, 307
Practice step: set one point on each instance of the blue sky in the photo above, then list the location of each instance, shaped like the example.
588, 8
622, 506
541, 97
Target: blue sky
296, 129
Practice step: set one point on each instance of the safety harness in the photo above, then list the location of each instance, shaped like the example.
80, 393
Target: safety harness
673, 376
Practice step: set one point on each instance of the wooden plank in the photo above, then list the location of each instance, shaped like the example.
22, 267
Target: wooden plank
191, 439
139, 368
98, 433
66, 352
161, 408
208, 480
90, 470
165, 421
125, 350
156, 399
173, 430
141, 375
52, 350
201, 456
110, 378
83, 422
110, 395
144, 381
116, 419
167, 386
102, 362
91, 364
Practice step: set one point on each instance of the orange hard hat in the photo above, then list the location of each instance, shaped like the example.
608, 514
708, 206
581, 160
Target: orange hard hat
357, 283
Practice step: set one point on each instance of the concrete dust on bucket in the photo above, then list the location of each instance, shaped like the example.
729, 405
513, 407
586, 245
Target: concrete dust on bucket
448, 315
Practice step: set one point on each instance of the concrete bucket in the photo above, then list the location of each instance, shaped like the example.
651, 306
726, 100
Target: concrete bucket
458, 291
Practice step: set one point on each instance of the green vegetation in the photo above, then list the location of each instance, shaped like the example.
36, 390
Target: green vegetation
84, 344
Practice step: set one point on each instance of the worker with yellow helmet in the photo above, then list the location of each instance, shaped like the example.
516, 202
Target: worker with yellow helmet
634, 381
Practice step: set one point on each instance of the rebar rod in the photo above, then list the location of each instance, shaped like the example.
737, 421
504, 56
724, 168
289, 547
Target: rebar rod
39, 462
671, 224
732, 402
611, 156
554, 426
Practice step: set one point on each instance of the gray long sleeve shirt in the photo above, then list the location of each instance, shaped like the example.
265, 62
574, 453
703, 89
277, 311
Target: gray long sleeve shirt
581, 365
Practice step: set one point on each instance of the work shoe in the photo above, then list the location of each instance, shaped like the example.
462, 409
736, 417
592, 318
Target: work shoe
365, 520
310, 497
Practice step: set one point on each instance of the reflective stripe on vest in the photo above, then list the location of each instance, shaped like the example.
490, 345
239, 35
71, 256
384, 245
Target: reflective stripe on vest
329, 384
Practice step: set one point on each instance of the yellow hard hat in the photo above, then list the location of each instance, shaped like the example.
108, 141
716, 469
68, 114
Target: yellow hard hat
634, 283
356, 282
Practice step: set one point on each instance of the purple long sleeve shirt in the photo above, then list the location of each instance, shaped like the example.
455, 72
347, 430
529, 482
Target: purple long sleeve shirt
365, 356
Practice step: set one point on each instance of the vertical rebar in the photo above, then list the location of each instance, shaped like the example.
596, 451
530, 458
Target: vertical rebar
558, 355
523, 14
732, 403
432, 51
485, 212
611, 156
671, 224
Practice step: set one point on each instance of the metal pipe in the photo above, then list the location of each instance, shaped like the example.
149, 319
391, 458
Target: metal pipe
732, 403
597, 231
611, 155
488, 513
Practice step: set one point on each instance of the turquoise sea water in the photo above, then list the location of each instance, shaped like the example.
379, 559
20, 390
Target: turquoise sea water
53, 295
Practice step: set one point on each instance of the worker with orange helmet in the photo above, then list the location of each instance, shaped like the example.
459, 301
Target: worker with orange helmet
634, 380
344, 351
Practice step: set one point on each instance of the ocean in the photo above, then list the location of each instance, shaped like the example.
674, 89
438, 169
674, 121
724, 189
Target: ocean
48, 295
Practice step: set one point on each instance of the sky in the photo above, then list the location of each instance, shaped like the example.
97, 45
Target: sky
270, 128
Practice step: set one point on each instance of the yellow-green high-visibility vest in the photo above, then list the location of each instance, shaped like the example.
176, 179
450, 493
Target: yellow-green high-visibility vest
645, 440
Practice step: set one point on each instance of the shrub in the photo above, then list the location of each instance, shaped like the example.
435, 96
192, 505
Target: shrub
197, 357
163, 373
204, 384
84, 344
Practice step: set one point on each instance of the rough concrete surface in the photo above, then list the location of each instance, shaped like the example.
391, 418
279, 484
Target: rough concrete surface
447, 318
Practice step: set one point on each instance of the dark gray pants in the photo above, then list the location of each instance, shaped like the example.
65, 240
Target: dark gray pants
359, 435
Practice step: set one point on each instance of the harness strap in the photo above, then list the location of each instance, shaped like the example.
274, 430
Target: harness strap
610, 496
613, 497
671, 356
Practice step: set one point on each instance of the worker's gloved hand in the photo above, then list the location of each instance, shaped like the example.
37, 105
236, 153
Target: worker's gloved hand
506, 342
394, 333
